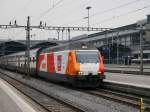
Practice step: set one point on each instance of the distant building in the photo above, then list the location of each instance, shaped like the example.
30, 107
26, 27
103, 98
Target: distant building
122, 45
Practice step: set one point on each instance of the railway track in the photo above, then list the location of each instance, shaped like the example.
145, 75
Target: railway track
49, 103
119, 95
127, 99
106, 93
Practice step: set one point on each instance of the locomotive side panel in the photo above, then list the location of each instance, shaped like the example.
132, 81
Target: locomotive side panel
61, 60
53, 62
50, 62
53, 65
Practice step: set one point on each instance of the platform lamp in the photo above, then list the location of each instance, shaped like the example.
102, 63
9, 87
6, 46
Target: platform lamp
88, 17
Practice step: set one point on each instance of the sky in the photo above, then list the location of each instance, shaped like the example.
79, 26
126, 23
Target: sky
103, 14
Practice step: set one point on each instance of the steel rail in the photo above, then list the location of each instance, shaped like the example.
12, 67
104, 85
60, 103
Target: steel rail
39, 97
119, 94
124, 98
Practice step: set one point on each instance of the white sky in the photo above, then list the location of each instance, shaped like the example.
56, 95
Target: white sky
104, 13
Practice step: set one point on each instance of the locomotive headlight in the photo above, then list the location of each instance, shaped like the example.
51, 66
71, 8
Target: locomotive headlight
99, 72
80, 72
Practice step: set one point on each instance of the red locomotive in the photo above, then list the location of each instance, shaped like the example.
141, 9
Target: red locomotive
78, 64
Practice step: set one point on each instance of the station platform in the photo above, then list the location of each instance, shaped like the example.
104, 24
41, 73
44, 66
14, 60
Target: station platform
127, 69
12, 101
146, 68
129, 79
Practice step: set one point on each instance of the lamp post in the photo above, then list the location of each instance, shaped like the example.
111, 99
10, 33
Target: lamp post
117, 48
88, 8
141, 51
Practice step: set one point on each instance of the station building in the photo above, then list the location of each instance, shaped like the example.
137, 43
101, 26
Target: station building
122, 45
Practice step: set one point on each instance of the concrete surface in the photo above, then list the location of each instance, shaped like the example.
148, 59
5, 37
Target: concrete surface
146, 68
10, 101
135, 80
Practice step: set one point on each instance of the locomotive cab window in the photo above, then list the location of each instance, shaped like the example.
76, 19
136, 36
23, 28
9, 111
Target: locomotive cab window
87, 57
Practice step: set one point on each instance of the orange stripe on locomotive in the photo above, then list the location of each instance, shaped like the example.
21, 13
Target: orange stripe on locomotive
72, 67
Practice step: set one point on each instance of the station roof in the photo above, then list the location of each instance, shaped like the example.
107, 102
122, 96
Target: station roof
44, 44
9, 47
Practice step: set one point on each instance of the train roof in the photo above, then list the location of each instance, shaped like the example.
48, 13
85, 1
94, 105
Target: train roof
71, 46
22, 53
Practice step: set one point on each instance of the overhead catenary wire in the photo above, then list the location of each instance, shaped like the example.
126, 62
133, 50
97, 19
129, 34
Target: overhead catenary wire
121, 15
126, 3
47, 11
24, 7
74, 11
107, 10
41, 14
114, 8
